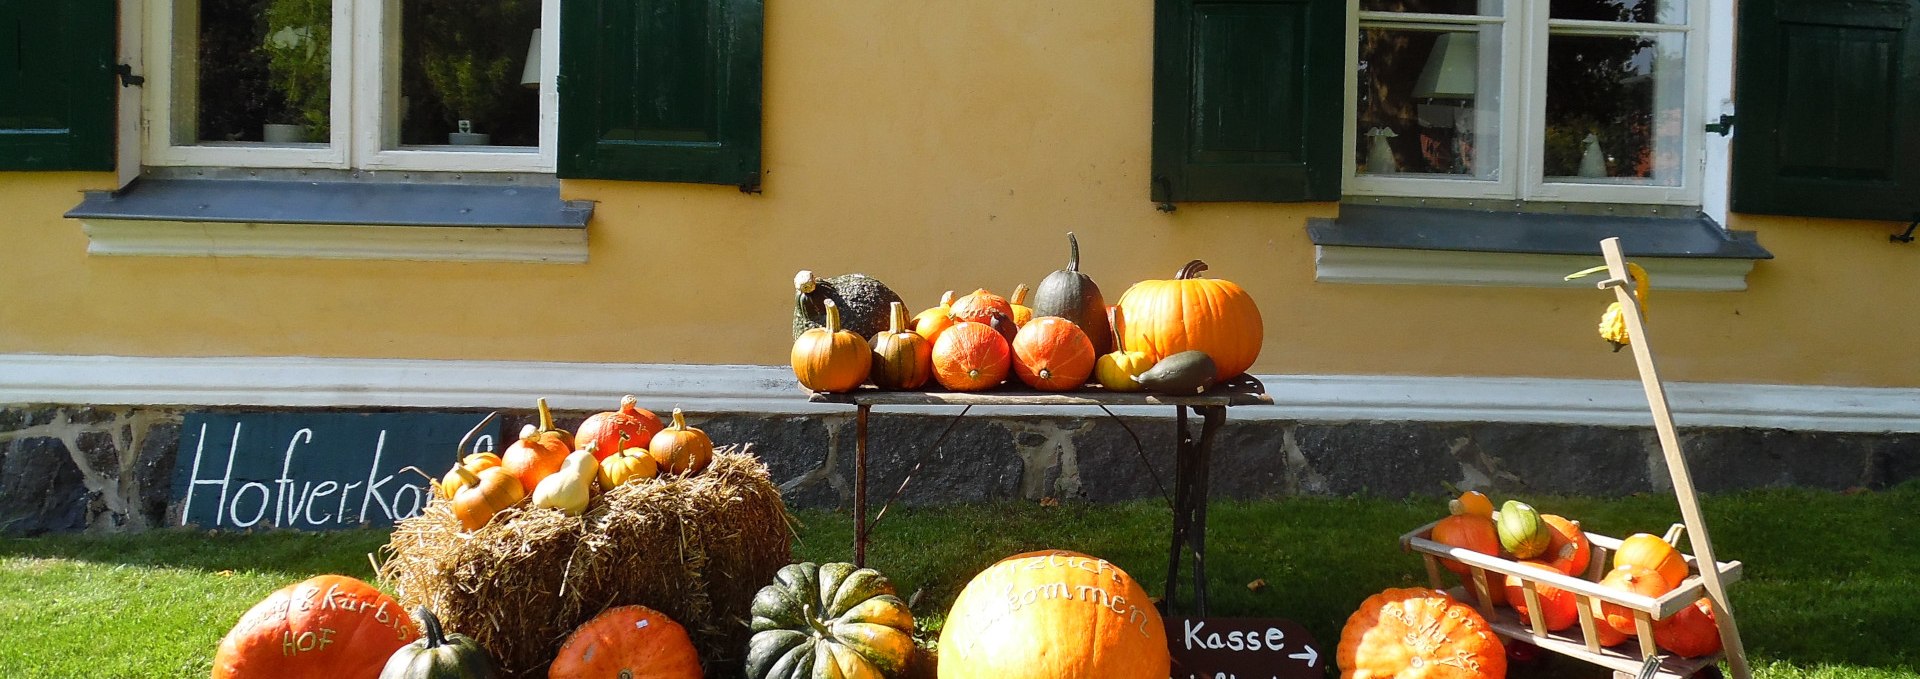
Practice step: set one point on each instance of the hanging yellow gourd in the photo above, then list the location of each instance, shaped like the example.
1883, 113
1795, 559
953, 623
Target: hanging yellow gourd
1613, 323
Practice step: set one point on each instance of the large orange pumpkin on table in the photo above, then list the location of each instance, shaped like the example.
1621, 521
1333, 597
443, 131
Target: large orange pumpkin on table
971, 357
1190, 313
1053, 615
1418, 633
627, 642
1052, 354
327, 627
831, 358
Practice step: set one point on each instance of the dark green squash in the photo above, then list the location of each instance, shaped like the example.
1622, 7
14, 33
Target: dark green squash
437, 655
815, 617
864, 302
1182, 374
1072, 295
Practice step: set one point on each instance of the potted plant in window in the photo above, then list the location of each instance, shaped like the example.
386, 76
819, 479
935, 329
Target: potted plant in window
298, 46
472, 56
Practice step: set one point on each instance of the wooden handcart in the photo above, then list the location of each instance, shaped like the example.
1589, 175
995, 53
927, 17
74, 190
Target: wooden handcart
1638, 656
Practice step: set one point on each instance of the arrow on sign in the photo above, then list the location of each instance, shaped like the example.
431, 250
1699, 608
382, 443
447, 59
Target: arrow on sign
1310, 655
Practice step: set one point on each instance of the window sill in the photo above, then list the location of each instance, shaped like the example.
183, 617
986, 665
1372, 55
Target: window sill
411, 221
1378, 244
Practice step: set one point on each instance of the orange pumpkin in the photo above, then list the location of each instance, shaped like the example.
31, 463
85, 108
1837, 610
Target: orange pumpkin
970, 357
1652, 552
627, 642
932, 322
1021, 312
1603, 632
616, 430
1417, 632
1567, 546
1496, 588
902, 359
831, 358
980, 306
1051, 614
1472, 502
1166, 317
539, 451
327, 627
451, 484
1558, 610
1690, 633
1052, 354
1468, 531
1631, 578
482, 495
680, 449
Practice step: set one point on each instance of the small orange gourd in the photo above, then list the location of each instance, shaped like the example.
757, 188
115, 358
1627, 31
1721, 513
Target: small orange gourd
831, 358
1653, 552
1472, 502
971, 357
902, 359
932, 322
1021, 312
680, 449
1050, 353
539, 450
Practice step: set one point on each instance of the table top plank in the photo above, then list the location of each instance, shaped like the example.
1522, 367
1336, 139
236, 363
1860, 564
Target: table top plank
1244, 390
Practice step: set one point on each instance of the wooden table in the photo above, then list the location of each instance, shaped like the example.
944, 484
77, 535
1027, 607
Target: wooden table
1191, 452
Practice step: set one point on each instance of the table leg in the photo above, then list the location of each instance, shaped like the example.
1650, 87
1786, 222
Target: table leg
860, 485
1212, 418
1180, 515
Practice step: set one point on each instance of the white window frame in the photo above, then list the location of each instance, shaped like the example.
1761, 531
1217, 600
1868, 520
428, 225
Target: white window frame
1525, 27
364, 104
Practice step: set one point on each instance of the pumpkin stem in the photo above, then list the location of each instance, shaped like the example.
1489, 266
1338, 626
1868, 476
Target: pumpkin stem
805, 282
1019, 294
679, 420
1114, 321
833, 318
467, 475
1190, 271
464, 440
1672, 537
946, 300
546, 416
629, 405
435, 636
896, 318
1073, 253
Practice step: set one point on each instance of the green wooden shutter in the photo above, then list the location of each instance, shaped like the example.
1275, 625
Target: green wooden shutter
56, 85
1247, 99
661, 90
1829, 109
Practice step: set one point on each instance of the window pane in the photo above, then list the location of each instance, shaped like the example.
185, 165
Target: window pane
1614, 109
1429, 102
472, 62
1486, 7
264, 72
1632, 11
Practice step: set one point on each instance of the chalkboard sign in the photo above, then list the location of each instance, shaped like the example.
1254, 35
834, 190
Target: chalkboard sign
314, 471
1243, 648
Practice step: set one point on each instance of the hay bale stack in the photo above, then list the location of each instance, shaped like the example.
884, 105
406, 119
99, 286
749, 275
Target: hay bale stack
696, 549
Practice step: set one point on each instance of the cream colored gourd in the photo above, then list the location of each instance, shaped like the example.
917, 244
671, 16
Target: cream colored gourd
569, 489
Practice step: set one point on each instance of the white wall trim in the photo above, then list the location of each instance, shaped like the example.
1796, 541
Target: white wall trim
1405, 266
352, 383
335, 241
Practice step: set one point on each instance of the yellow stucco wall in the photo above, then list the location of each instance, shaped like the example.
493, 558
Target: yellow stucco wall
935, 146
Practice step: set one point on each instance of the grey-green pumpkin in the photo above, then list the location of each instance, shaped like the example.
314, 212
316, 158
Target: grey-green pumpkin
437, 655
1072, 295
1182, 374
833, 620
863, 300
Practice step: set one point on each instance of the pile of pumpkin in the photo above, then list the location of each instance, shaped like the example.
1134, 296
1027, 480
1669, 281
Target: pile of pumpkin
1178, 336
614, 447
1644, 564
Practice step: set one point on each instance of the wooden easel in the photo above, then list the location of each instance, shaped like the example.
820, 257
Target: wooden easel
1620, 279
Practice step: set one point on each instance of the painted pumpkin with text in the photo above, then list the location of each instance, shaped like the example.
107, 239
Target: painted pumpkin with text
326, 627
1053, 615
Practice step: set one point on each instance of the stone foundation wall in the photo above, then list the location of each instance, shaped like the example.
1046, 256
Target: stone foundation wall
110, 468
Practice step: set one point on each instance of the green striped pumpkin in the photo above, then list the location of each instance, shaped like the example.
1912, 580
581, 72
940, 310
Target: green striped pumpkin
835, 620
1521, 530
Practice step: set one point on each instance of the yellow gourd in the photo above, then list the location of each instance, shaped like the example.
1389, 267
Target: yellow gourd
1613, 323
1117, 371
569, 489
627, 465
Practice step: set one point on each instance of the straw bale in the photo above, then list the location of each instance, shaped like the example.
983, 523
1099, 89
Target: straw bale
695, 548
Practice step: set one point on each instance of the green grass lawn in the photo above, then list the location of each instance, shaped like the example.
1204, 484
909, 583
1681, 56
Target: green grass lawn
1832, 588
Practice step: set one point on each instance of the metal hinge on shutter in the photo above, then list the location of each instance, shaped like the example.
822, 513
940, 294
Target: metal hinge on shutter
127, 78
1722, 128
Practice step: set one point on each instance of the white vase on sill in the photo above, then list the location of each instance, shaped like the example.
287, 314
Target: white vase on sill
277, 133
467, 137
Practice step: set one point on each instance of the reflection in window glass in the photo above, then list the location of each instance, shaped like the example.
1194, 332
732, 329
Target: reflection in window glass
264, 72
1428, 102
469, 73
1630, 11
1432, 6
1614, 109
